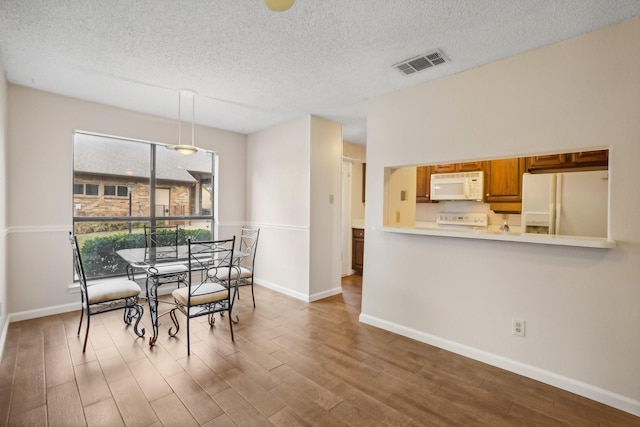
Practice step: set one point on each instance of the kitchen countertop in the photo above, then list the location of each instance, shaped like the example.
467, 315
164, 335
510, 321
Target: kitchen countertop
495, 233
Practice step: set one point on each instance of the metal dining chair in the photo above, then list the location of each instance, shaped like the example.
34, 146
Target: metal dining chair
161, 255
105, 296
242, 272
202, 297
161, 251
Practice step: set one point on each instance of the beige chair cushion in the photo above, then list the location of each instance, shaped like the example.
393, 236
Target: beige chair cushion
112, 290
204, 294
223, 274
161, 270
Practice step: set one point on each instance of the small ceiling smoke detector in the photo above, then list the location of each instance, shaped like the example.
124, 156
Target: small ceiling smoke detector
421, 62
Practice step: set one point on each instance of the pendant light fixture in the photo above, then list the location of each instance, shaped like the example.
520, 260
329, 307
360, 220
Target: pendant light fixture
279, 5
180, 147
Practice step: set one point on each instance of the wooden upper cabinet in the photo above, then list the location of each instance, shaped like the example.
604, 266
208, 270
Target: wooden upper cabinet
597, 159
503, 180
470, 166
423, 184
589, 157
548, 161
458, 167
443, 168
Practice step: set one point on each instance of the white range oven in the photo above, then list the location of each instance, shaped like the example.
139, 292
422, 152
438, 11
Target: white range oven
462, 221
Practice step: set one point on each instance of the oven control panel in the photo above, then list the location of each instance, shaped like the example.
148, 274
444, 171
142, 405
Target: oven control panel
465, 219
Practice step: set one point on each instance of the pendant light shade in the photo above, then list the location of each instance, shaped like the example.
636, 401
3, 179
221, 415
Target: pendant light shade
180, 147
279, 5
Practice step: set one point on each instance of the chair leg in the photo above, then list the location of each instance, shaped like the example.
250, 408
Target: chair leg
231, 325
188, 337
86, 334
174, 319
139, 312
80, 324
252, 295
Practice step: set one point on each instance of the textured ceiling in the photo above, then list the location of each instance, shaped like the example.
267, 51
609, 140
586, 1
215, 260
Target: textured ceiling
253, 68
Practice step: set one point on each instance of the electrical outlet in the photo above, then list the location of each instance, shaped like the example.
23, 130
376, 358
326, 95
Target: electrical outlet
518, 327
397, 216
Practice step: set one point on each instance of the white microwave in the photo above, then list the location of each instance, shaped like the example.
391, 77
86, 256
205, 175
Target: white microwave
457, 186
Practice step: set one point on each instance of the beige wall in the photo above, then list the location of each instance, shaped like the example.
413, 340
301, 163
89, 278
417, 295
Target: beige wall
40, 187
292, 170
279, 202
581, 305
326, 210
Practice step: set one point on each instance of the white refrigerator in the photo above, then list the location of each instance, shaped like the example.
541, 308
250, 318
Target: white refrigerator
570, 203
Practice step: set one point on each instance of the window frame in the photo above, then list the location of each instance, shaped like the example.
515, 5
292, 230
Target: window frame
152, 218
116, 190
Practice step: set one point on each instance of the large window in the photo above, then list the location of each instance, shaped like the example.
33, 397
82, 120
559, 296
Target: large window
121, 185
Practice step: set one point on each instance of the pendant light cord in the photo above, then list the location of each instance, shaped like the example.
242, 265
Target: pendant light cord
179, 118
193, 120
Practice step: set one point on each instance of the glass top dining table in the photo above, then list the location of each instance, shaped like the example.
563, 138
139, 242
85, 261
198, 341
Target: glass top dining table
154, 261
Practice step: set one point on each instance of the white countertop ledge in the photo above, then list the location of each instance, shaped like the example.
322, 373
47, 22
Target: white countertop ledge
586, 242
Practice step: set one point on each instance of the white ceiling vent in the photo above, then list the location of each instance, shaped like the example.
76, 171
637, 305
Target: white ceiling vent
418, 63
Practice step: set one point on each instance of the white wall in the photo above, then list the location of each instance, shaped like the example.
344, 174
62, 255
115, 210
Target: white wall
326, 208
292, 169
581, 305
278, 201
3, 202
40, 187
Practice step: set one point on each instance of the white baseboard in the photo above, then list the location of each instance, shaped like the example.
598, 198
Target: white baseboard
583, 389
42, 312
325, 294
298, 295
282, 290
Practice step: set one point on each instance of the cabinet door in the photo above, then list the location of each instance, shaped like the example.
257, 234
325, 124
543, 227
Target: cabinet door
469, 166
423, 184
503, 180
443, 168
458, 167
590, 157
548, 161
357, 249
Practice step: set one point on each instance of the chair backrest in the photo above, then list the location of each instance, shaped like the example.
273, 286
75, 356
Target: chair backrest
78, 268
209, 255
249, 245
160, 242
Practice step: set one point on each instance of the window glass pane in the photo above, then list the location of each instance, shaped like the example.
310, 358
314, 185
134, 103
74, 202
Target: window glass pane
116, 162
99, 241
183, 188
123, 191
78, 188
91, 189
109, 190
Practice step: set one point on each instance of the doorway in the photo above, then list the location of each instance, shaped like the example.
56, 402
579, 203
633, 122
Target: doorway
163, 197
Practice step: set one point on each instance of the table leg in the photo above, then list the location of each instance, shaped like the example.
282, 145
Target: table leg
152, 299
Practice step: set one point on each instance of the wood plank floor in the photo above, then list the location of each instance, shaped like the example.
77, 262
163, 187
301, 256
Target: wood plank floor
292, 364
